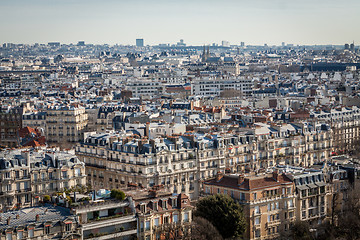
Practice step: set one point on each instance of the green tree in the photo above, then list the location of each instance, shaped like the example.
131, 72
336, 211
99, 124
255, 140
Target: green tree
224, 213
300, 231
117, 194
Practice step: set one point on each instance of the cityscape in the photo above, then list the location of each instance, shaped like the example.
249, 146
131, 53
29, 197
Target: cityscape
191, 137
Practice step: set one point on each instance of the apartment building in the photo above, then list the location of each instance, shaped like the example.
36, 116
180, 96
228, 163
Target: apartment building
28, 174
65, 124
268, 201
34, 120
311, 196
214, 86
107, 219
10, 123
45, 222
176, 162
345, 123
162, 215
293, 144
118, 161
145, 88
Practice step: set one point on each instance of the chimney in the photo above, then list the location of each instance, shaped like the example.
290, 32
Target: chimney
147, 129
276, 175
241, 179
219, 176
37, 217
17, 216
153, 193
8, 220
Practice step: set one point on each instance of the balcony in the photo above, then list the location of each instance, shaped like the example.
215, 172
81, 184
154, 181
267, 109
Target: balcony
114, 235
272, 223
95, 165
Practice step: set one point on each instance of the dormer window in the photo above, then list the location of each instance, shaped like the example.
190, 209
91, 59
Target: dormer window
155, 206
174, 203
143, 208
165, 204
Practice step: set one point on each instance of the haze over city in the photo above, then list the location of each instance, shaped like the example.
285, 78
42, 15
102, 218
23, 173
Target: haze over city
198, 22
180, 120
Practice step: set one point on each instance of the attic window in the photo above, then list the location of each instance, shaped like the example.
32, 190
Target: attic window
155, 206
143, 208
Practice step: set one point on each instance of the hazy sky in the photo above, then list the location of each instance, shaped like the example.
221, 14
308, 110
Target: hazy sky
166, 21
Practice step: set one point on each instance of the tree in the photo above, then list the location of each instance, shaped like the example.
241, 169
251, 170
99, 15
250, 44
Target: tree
203, 229
348, 226
224, 213
198, 229
300, 231
117, 194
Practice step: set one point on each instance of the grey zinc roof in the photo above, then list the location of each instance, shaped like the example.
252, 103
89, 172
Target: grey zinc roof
27, 216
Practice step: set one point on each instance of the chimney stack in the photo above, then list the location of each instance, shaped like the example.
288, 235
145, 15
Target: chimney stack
153, 193
8, 220
219, 176
37, 217
240, 179
276, 175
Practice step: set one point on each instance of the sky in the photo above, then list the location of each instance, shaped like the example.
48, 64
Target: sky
198, 22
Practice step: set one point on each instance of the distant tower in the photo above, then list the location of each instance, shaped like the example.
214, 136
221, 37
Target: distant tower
139, 42
352, 46
204, 55
208, 52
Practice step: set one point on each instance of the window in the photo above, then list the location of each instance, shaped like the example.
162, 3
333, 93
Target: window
68, 227
47, 229
257, 233
257, 221
255, 196
291, 203
31, 232
175, 218
20, 234
8, 236
186, 217
27, 198
242, 196
156, 222
147, 225
257, 209
77, 172
64, 174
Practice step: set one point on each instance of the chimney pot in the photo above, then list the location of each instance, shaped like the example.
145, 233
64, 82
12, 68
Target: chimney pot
240, 179
219, 176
